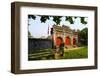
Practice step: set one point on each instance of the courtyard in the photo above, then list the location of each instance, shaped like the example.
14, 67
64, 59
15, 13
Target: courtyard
74, 53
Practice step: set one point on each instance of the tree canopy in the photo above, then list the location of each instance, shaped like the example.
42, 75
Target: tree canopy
57, 19
83, 35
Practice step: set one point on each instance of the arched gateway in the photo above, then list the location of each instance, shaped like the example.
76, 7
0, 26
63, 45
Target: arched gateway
68, 40
74, 41
59, 41
63, 34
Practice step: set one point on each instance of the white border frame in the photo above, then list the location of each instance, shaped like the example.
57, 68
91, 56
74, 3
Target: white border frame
25, 64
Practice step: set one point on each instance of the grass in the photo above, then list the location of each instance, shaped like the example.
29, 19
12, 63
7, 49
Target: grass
47, 54
76, 53
39, 51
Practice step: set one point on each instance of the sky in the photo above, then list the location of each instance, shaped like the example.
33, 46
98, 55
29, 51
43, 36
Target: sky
38, 29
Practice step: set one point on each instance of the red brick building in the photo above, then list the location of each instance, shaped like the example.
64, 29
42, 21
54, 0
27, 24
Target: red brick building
63, 34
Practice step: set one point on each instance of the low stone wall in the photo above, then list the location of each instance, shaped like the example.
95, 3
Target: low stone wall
36, 45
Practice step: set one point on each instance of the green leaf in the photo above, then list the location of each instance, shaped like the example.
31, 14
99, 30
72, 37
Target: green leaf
44, 19
32, 16
57, 19
82, 19
70, 19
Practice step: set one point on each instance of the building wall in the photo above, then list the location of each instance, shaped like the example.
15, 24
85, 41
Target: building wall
63, 32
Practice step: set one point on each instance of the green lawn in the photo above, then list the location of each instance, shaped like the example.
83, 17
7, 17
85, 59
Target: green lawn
76, 53
44, 54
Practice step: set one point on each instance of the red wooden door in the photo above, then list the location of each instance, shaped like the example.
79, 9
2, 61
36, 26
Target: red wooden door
58, 41
67, 41
74, 41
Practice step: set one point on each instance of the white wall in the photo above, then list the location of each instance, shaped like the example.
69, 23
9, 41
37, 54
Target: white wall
5, 42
